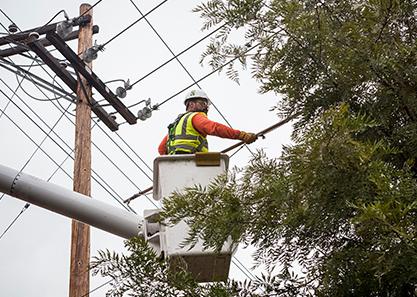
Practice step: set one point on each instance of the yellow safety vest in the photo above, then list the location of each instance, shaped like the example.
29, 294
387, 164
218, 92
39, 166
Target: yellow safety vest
183, 138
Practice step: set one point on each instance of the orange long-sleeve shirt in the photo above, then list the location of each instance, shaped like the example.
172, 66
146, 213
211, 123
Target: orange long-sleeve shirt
205, 127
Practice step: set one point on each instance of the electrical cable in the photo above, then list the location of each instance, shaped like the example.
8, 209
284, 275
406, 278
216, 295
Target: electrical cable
178, 60
121, 137
40, 62
113, 141
86, 94
156, 106
241, 147
30, 138
15, 219
50, 177
61, 96
1, 10
33, 97
96, 288
38, 146
50, 21
176, 56
14, 93
129, 27
85, 12
134, 23
120, 200
40, 81
93, 171
248, 273
183, 67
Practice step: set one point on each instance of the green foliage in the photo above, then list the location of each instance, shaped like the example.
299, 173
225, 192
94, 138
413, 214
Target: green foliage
318, 53
332, 203
141, 273
341, 201
339, 205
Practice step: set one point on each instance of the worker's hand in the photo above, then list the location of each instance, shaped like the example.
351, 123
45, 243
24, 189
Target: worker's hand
247, 137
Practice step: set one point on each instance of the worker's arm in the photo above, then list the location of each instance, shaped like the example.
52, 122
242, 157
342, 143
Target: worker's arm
162, 148
206, 127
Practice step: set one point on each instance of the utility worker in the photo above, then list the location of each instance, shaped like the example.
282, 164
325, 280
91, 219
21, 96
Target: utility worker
187, 134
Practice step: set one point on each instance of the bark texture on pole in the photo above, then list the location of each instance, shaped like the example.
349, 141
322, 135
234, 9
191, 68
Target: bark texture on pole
80, 236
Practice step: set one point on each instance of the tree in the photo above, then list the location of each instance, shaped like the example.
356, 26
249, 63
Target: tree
341, 202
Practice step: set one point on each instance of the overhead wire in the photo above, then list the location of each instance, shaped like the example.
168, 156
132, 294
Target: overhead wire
123, 205
29, 137
101, 128
33, 97
38, 146
156, 106
99, 125
177, 59
86, 94
118, 147
131, 25
96, 288
19, 83
14, 220
195, 82
183, 67
27, 205
92, 6
177, 55
120, 200
50, 21
40, 81
14, 92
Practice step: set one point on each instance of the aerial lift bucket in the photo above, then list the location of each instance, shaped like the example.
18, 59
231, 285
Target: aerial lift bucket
174, 173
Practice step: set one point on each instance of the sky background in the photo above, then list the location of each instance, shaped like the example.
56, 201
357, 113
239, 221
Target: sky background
34, 252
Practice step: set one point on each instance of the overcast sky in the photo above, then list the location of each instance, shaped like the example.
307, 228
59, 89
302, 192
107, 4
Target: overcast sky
34, 253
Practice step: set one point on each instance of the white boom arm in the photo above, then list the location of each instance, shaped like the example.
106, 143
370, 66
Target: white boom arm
69, 203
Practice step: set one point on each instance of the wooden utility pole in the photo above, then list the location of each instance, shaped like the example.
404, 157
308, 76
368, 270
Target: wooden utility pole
80, 236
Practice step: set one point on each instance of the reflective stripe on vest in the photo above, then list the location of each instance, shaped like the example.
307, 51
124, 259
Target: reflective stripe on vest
183, 138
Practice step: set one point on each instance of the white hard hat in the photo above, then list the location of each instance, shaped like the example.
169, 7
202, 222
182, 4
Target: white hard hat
196, 94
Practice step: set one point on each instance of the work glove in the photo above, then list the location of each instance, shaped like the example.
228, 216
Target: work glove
247, 137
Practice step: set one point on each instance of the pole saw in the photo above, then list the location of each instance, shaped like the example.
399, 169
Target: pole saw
259, 134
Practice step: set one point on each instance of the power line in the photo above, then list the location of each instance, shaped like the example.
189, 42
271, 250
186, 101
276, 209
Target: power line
183, 67
39, 81
178, 60
131, 25
99, 125
27, 162
100, 128
86, 94
116, 145
15, 219
177, 55
14, 93
196, 82
120, 200
36, 98
156, 106
59, 88
96, 288
94, 5
103, 130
